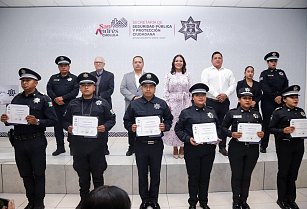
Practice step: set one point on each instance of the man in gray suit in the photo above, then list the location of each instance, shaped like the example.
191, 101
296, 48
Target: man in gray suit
130, 89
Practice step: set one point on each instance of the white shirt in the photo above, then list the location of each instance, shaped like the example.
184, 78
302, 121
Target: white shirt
137, 78
218, 81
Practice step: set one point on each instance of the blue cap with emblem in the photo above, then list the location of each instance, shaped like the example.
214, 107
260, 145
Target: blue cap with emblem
149, 78
62, 60
28, 73
199, 88
291, 91
271, 56
245, 92
85, 77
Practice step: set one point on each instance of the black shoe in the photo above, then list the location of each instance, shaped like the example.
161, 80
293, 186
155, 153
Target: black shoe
192, 207
204, 206
283, 204
236, 205
144, 205
130, 152
244, 205
293, 204
262, 150
155, 205
223, 151
39, 206
30, 205
58, 151
79, 205
106, 152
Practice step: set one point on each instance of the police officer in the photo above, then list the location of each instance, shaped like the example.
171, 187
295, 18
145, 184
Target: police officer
272, 82
88, 158
242, 155
289, 150
29, 140
198, 157
61, 88
148, 149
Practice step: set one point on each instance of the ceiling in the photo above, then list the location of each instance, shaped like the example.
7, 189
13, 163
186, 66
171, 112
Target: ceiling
206, 3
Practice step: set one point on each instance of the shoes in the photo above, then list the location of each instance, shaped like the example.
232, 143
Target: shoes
106, 152
144, 205
130, 151
192, 207
58, 151
236, 205
204, 206
244, 205
39, 206
30, 205
283, 204
154, 205
293, 204
223, 151
262, 150
181, 153
79, 205
175, 152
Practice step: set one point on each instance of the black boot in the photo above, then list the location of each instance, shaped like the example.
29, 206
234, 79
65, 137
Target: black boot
293, 204
283, 204
60, 149
130, 151
30, 205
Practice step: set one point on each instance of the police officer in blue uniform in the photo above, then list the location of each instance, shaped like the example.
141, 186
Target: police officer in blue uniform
289, 150
148, 149
198, 157
88, 156
272, 82
61, 88
29, 140
242, 155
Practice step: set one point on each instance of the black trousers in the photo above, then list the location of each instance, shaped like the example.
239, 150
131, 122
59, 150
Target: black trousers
243, 159
30, 156
289, 154
267, 108
199, 161
221, 109
89, 160
149, 156
58, 128
131, 139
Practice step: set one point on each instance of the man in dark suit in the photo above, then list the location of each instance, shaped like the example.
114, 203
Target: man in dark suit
104, 85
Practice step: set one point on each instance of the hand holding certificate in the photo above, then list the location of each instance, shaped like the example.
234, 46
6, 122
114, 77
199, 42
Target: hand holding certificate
204, 132
17, 113
249, 132
300, 127
148, 126
84, 126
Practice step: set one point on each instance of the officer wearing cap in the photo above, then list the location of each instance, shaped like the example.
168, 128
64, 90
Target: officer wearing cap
29, 140
88, 158
198, 157
272, 82
61, 88
289, 149
242, 155
148, 148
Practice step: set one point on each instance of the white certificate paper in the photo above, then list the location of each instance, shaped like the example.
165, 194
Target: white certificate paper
300, 127
148, 126
204, 132
84, 125
17, 113
249, 132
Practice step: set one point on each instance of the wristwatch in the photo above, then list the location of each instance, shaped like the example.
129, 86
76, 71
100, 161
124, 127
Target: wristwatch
37, 123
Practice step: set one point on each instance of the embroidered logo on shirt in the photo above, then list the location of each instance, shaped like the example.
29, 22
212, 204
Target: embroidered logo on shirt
281, 73
237, 116
69, 79
157, 106
36, 100
210, 115
303, 114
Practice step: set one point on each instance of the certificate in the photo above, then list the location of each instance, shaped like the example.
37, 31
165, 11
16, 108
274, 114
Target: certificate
204, 132
148, 126
300, 126
249, 132
17, 113
84, 125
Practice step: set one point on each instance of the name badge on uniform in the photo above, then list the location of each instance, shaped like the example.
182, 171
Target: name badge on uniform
56, 79
237, 116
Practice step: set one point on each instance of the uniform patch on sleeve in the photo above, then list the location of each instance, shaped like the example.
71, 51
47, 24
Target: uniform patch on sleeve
112, 112
50, 104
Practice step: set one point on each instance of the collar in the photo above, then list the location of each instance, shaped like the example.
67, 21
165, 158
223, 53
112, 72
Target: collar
198, 109
30, 95
242, 110
146, 101
59, 75
98, 73
214, 68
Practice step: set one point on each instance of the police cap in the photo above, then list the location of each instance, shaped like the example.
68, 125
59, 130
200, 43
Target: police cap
271, 56
291, 91
86, 78
245, 92
28, 73
149, 78
199, 88
62, 60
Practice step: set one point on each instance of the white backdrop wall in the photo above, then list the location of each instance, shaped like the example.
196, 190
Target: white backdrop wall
34, 37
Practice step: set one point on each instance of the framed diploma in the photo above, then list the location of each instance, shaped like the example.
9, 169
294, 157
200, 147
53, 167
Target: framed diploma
249, 132
204, 132
84, 126
17, 113
148, 126
300, 126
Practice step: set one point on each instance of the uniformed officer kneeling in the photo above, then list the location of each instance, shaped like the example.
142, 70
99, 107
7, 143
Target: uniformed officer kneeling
148, 148
289, 150
242, 155
88, 158
29, 140
198, 157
